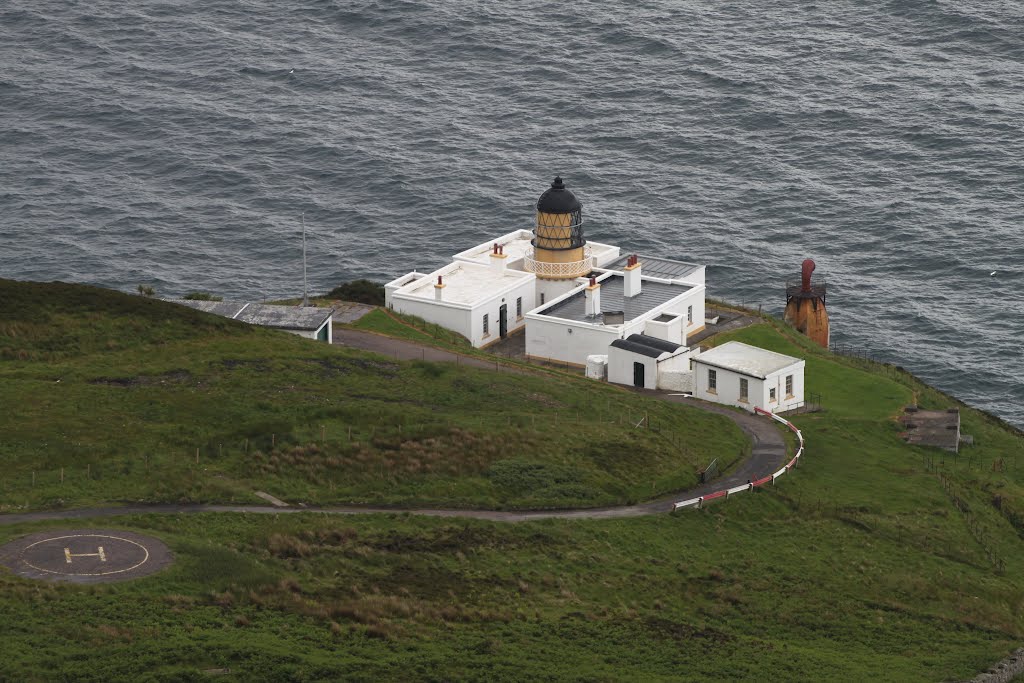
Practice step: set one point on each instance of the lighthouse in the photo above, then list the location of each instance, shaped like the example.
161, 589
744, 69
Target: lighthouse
805, 305
559, 251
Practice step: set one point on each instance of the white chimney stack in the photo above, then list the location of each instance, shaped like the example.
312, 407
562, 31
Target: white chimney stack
631, 275
439, 289
498, 258
593, 293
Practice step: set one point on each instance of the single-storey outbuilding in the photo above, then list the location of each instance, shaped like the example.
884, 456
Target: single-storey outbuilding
749, 377
306, 321
640, 360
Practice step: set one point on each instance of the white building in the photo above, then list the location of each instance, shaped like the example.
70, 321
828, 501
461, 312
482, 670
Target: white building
484, 303
571, 297
647, 362
749, 377
588, 319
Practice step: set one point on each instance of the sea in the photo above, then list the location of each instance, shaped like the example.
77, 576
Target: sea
182, 145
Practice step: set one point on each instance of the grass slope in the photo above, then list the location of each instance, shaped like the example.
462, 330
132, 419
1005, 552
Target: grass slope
116, 393
872, 561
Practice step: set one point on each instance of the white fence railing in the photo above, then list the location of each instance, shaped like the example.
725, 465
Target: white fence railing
566, 270
699, 501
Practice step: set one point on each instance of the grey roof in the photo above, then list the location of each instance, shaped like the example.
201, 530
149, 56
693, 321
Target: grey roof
646, 345
746, 359
655, 342
636, 347
652, 295
658, 267
265, 315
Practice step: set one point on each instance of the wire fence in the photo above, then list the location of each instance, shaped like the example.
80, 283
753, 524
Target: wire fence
332, 451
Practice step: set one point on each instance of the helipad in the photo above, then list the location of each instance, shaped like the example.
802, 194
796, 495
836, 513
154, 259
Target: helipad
85, 556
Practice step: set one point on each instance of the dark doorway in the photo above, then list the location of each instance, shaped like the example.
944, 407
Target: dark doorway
503, 321
638, 375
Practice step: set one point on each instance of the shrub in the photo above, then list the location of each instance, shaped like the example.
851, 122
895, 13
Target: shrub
359, 291
202, 296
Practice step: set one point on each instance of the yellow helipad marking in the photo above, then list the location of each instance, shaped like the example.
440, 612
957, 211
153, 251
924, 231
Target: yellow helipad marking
68, 554
99, 554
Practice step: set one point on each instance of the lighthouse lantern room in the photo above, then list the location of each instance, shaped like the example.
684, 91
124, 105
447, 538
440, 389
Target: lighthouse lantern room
560, 251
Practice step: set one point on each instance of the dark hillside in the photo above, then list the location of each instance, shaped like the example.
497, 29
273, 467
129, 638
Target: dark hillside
53, 320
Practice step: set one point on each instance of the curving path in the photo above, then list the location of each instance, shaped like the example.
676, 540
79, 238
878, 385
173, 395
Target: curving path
768, 452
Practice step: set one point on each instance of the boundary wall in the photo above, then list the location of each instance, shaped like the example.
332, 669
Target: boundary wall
699, 501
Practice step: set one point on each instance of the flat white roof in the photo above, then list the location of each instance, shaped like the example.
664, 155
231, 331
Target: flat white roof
464, 283
516, 245
746, 359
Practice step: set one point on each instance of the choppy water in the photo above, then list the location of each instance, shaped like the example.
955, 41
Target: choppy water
170, 143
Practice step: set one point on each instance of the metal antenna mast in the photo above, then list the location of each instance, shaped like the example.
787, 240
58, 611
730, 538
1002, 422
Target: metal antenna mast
305, 290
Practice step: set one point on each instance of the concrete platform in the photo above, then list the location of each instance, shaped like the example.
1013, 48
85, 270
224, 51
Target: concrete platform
936, 428
85, 556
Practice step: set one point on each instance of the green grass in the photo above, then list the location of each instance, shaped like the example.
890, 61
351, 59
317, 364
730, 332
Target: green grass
751, 589
860, 565
121, 403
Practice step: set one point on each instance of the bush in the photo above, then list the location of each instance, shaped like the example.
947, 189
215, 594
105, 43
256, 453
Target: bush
359, 291
202, 296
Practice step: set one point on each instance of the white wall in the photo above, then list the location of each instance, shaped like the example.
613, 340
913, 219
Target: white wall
674, 372
669, 331
675, 381
778, 381
695, 299
758, 390
455, 317
678, 306
552, 289
566, 340
492, 308
728, 391
467, 321
680, 362
620, 367
390, 287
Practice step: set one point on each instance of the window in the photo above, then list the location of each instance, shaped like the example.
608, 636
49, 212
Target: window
689, 315
542, 298
789, 386
712, 382
486, 325
771, 395
744, 390
519, 307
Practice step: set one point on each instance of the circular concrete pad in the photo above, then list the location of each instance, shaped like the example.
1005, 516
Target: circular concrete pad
85, 556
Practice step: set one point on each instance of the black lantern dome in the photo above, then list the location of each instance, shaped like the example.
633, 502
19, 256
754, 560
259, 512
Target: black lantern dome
557, 199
